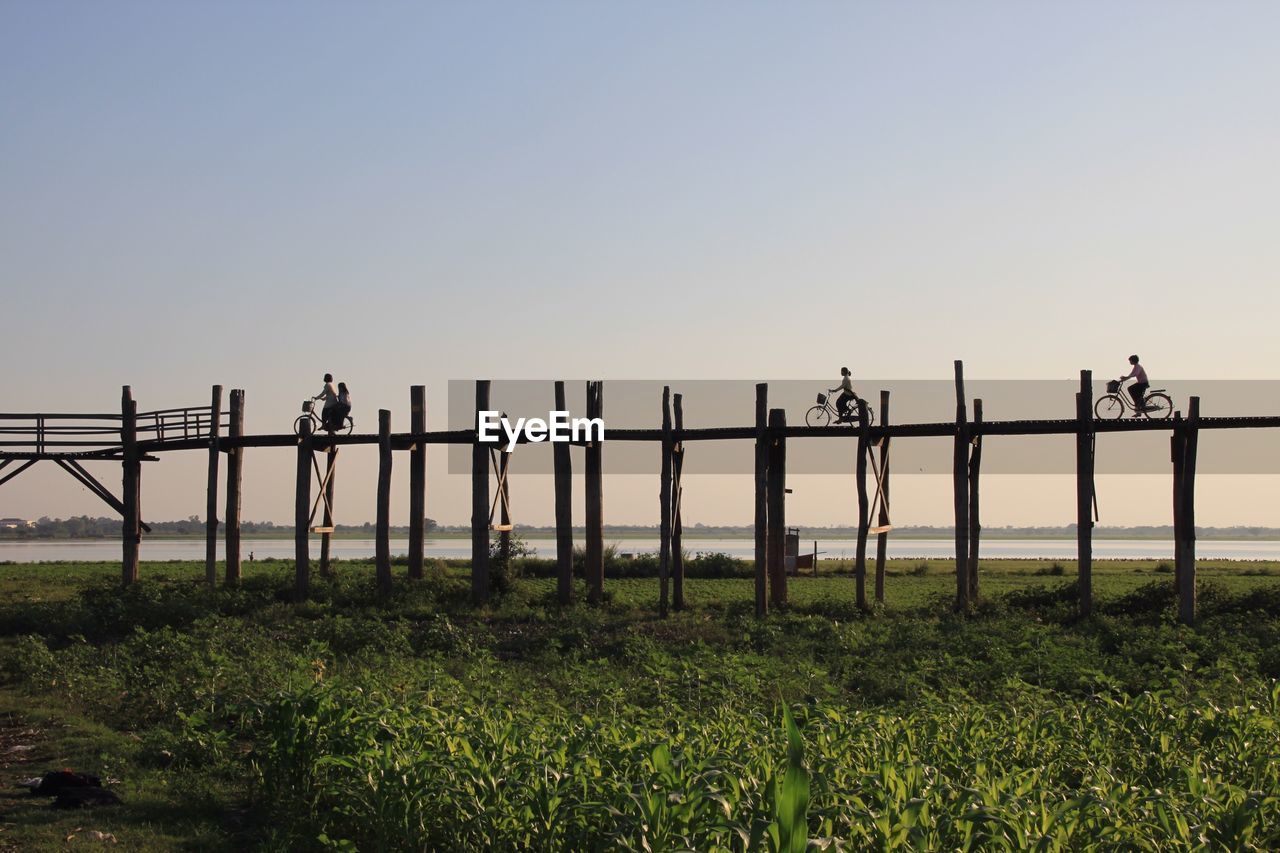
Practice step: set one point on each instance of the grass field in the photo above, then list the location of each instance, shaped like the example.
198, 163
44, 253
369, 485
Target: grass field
236, 719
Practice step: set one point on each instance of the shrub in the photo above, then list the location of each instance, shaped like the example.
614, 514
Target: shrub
505, 567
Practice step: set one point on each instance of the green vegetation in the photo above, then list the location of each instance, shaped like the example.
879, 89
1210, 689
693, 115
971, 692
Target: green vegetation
236, 719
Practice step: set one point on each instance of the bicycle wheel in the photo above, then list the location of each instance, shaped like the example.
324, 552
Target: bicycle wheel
347, 425
1108, 408
818, 416
297, 425
1159, 406
871, 416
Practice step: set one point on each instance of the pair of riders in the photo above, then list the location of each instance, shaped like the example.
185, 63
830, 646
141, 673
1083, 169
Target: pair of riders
1138, 390
337, 404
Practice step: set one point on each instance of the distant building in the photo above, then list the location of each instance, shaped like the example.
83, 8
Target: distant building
15, 523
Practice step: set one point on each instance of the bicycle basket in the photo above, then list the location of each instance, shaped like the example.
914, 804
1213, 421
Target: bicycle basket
1113, 386
822, 399
308, 405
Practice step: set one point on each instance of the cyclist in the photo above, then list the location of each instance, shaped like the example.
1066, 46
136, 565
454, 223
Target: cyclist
330, 396
1138, 390
846, 394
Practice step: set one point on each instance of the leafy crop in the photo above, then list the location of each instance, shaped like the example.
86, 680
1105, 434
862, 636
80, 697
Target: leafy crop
446, 772
419, 722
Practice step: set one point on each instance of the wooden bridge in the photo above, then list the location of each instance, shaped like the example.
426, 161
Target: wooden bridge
130, 438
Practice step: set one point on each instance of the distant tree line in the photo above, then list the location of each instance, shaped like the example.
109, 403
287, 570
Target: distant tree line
86, 527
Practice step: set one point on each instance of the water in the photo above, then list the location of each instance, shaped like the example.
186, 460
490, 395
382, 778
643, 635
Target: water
101, 550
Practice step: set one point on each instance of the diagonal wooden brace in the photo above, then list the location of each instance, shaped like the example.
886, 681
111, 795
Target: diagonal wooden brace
323, 494
15, 472
877, 469
75, 469
501, 494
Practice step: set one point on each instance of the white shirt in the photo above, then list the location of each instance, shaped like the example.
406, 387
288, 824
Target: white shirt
1138, 373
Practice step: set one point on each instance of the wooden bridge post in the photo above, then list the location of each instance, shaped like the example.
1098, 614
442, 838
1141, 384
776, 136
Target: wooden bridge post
132, 485
417, 481
664, 501
777, 506
762, 498
330, 474
302, 513
677, 523
382, 548
960, 482
480, 503
595, 500
1178, 455
564, 509
235, 474
975, 523
864, 518
1084, 492
211, 491
882, 539
1186, 536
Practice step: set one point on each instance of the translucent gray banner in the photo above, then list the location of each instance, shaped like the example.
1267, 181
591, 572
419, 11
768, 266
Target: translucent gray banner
637, 404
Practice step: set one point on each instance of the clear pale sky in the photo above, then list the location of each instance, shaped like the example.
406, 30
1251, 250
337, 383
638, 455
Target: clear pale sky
252, 194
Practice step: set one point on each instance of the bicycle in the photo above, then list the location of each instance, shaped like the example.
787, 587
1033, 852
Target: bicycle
825, 412
1156, 405
317, 425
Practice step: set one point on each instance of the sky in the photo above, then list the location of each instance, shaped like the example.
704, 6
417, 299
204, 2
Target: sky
408, 193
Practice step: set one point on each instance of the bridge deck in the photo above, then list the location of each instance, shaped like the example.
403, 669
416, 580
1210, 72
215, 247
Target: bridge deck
109, 454
942, 429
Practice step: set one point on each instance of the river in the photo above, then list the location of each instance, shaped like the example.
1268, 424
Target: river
100, 550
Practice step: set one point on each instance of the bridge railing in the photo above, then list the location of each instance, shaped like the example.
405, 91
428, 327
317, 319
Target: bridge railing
176, 424
51, 432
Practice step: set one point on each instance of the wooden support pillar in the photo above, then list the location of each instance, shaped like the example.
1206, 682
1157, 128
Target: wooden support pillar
417, 481
960, 483
677, 522
330, 474
211, 490
1084, 492
235, 473
664, 502
762, 498
594, 489
564, 509
882, 539
302, 513
975, 524
777, 506
1177, 454
131, 487
382, 548
1185, 527
480, 503
864, 509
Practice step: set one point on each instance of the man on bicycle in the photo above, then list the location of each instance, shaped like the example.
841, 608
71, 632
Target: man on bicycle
846, 394
1138, 390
